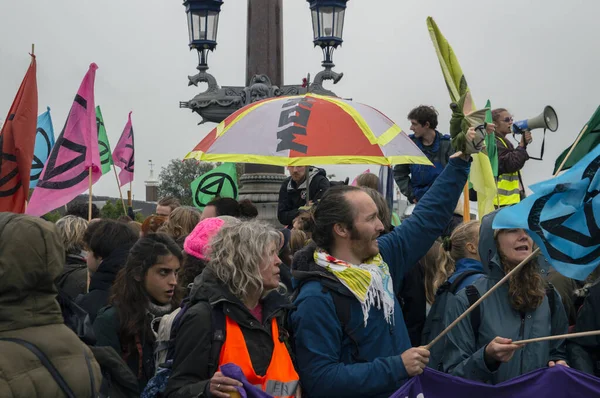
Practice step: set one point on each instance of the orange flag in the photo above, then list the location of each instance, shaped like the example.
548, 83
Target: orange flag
17, 143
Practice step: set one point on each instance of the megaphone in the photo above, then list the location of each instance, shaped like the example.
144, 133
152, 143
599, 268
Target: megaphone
547, 120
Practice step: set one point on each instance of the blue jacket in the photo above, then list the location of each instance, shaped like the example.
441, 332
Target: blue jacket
330, 363
415, 179
467, 264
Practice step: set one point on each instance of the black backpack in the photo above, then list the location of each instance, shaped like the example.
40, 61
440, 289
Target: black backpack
434, 324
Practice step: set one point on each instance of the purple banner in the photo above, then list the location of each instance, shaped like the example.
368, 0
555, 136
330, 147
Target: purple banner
555, 382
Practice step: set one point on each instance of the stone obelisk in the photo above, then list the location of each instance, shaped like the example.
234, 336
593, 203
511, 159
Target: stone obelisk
264, 55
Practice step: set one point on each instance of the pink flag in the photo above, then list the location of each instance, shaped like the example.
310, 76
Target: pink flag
66, 173
123, 155
356, 178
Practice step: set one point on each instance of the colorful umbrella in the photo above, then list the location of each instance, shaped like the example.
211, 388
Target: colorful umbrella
308, 130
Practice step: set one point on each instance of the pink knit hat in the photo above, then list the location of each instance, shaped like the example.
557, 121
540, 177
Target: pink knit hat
197, 241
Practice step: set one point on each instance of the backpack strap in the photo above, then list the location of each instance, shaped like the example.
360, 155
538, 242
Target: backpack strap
47, 364
343, 310
217, 328
460, 278
473, 296
551, 299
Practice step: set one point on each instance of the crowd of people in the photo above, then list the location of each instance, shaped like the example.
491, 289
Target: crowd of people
339, 303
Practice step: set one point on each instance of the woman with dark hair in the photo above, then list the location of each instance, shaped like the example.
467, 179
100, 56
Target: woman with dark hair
146, 289
244, 209
525, 307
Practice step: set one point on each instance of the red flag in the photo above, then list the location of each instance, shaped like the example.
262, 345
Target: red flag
123, 155
17, 143
75, 153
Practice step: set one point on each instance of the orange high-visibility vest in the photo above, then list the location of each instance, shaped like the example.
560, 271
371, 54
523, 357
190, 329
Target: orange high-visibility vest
281, 379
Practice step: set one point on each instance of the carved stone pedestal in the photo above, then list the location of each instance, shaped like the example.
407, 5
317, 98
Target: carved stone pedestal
263, 190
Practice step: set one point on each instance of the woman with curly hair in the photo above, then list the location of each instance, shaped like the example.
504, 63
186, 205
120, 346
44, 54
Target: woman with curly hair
525, 307
146, 289
240, 287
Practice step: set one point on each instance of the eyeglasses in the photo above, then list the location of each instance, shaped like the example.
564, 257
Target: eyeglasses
507, 119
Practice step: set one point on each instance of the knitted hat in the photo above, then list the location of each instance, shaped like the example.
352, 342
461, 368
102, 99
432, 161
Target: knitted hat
197, 241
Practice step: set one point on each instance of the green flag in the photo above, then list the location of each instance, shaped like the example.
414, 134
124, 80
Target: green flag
490, 141
103, 145
587, 142
220, 181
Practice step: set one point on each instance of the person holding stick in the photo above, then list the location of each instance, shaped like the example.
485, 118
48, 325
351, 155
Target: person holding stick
349, 335
525, 307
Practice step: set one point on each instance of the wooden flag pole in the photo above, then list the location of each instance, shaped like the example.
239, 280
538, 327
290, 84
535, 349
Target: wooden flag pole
466, 204
32, 48
90, 199
120, 192
486, 295
130, 194
561, 336
581, 133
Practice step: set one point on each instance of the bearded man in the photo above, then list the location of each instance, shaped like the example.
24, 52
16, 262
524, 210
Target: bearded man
525, 307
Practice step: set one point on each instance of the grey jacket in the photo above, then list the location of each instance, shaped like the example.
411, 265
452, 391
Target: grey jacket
465, 355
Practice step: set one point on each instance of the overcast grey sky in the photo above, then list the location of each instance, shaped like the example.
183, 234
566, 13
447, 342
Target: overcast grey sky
522, 55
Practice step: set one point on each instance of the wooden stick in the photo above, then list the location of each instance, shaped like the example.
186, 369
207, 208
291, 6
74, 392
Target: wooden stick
32, 49
562, 336
130, 194
90, 201
581, 133
466, 204
120, 192
486, 295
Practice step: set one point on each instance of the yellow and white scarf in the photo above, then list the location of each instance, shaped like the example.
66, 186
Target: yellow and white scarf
370, 282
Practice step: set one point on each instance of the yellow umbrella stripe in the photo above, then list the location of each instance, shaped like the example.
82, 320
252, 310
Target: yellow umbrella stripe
307, 160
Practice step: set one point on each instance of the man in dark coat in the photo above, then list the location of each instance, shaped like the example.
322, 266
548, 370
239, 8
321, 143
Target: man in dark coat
292, 194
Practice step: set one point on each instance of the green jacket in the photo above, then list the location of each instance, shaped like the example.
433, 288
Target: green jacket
31, 257
106, 330
465, 355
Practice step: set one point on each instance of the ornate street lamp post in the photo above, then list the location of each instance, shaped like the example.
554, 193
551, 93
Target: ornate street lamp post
262, 183
216, 103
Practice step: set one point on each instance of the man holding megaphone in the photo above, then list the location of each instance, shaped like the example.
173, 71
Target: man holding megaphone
510, 159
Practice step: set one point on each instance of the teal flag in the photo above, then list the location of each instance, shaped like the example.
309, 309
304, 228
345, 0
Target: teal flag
220, 181
490, 141
44, 142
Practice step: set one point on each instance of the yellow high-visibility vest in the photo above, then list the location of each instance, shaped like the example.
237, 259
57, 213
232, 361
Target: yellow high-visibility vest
509, 192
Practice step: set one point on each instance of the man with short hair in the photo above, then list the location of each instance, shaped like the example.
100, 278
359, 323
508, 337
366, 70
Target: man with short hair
292, 194
108, 248
166, 205
414, 180
349, 334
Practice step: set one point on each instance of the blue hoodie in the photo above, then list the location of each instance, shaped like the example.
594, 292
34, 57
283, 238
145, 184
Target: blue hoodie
329, 363
467, 264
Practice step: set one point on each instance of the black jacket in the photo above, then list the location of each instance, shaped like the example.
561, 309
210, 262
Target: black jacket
584, 352
414, 303
101, 281
191, 374
292, 196
73, 279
